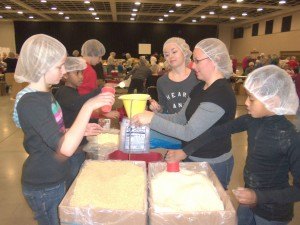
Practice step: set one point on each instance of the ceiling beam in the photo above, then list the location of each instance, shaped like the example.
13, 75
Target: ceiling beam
32, 10
196, 10
267, 16
113, 10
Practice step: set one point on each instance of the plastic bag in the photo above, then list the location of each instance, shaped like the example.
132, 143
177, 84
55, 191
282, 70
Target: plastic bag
134, 139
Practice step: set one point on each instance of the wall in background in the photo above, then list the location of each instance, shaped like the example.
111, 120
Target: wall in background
117, 37
268, 43
7, 35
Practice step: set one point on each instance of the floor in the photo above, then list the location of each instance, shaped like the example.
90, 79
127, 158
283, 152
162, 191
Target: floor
14, 209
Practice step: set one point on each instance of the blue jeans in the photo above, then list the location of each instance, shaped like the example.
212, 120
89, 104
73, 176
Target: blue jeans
44, 203
75, 161
247, 217
223, 171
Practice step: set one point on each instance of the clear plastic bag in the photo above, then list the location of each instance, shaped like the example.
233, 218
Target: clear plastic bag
134, 139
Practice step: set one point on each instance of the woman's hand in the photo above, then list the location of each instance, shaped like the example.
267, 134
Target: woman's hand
154, 106
175, 156
92, 129
112, 114
245, 196
142, 118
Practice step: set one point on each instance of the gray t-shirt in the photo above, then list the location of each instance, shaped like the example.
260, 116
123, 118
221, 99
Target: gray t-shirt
172, 95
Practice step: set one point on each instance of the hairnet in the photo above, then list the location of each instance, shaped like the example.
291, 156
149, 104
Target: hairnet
274, 88
218, 53
75, 64
92, 47
183, 46
38, 54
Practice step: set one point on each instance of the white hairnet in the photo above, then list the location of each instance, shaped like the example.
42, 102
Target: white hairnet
38, 54
75, 64
218, 53
274, 88
183, 46
92, 47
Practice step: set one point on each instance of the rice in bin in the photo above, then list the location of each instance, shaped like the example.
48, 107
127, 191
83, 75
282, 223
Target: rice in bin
119, 186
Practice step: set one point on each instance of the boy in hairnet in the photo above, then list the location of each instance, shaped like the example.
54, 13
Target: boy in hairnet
273, 148
71, 103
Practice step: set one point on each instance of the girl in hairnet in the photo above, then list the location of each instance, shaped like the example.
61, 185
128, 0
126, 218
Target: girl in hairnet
41, 63
211, 103
71, 103
174, 88
273, 148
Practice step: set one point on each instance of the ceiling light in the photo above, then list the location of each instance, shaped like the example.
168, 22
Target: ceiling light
43, 1
134, 10
1, 17
178, 4
131, 18
53, 8
97, 18
161, 19
224, 6
212, 13
137, 3
20, 12
194, 21
232, 18
86, 2
8, 7
203, 17
282, 2
239, 0
166, 15
61, 13
30, 17
67, 17
94, 14
244, 14
91, 9
171, 11
133, 14
260, 9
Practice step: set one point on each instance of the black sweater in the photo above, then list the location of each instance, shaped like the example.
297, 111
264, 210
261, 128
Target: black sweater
221, 94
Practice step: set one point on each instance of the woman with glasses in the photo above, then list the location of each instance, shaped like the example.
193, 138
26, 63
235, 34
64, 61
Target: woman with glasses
174, 87
211, 103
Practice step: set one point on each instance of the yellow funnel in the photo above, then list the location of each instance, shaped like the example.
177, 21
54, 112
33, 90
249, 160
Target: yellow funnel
134, 103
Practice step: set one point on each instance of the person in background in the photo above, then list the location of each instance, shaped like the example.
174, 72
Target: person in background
71, 103
92, 52
211, 103
129, 62
273, 148
139, 77
249, 69
111, 62
293, 64
76, 53
155, 69
100, 73
234, 63
174, 87
47, 142
245, 63
10, 66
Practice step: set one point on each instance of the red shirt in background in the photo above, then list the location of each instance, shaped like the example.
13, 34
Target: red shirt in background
89, 82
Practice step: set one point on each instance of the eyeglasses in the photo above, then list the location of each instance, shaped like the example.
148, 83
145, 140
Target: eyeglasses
196, 61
